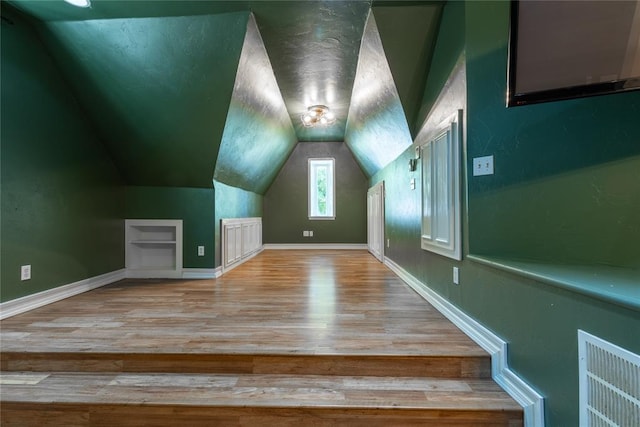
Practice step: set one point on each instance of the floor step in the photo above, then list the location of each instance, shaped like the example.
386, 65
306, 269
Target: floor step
441, 366
302, 338
30, 398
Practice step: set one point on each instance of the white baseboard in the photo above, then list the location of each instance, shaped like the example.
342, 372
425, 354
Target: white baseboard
241, 261
201, 273
531, 401
29, 302
339, 246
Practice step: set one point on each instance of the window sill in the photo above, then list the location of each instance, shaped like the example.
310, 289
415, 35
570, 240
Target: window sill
322, 218
615, 285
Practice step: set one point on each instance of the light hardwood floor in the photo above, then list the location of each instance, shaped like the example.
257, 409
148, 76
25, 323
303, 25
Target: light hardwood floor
330, 337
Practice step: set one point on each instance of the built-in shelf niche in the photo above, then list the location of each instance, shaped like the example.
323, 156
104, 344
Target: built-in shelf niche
153, 248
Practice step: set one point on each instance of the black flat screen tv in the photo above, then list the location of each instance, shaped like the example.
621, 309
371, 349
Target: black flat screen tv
570, 49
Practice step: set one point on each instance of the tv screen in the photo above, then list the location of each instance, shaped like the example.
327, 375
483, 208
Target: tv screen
570, 49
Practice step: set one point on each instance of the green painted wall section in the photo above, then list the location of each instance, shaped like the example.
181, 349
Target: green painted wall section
588, 216
568, 177
47, 10
449, 46
194, 206
258, 135
61, 204
286, 213
567, 183
157, 89
377, 130
408, 34
233, 202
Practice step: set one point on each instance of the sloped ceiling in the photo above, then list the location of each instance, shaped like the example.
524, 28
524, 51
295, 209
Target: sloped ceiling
164, 85
258, 135
410, 50
313, 46
377, 130
157, 89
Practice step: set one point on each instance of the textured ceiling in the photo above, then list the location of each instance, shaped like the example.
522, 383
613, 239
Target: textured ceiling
377, 130
164, 84
258, 135
314, 48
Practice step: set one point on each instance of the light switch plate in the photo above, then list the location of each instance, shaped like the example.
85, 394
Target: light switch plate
483, 166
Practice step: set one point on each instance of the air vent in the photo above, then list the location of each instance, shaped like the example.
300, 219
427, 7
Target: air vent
609, 383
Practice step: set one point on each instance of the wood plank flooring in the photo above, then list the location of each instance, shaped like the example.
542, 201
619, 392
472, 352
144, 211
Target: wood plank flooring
288, 338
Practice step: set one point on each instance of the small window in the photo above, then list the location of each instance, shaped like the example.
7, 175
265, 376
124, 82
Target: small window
441, 190
321, 189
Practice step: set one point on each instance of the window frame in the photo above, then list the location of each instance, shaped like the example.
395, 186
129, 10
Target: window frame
331, 186
442, 218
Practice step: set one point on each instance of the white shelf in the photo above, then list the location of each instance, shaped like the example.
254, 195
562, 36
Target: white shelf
154, 248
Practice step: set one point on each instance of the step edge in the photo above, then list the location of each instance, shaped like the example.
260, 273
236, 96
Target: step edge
527, 396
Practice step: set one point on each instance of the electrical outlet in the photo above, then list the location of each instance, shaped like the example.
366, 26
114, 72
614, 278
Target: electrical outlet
483, 166
412, 184
25, 272
456, 276
310, 233
305, 233
388, 242
200, 250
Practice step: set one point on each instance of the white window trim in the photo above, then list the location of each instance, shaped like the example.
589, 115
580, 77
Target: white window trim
333, 189
453, 247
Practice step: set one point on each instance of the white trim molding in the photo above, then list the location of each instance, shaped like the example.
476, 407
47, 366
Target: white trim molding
201, 273
30, 302
530, 400
315, 246
241, 240
224, 270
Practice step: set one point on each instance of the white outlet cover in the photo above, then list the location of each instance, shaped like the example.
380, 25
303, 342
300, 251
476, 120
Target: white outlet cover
310, 233
456, 275
200, 250
25, 272
483, 166
305, 233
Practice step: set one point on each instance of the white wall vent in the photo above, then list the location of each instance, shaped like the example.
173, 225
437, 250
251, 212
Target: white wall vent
609, 383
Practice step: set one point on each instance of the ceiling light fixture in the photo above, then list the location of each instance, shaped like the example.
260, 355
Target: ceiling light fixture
318, 115
79, 3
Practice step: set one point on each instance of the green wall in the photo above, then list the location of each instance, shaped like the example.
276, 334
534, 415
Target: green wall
61, 194
445, 55
567, 173
233, 202
377, 130
157, 89
194, 206
563, 170
285, 203
258, 135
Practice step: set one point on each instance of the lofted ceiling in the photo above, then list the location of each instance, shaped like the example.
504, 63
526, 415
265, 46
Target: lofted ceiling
182, 91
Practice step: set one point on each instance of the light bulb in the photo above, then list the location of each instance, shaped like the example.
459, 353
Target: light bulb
79, 3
